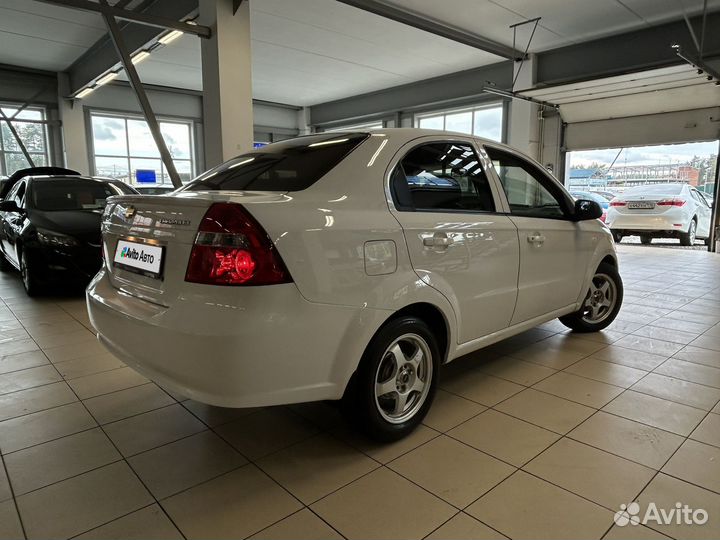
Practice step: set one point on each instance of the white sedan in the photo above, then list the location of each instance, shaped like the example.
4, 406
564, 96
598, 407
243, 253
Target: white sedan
347, 266
660, 211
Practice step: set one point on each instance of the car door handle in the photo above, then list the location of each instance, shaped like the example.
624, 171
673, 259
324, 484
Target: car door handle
437, 240
536, 238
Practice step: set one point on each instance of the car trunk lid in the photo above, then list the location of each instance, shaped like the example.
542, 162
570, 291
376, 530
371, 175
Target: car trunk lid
163, 227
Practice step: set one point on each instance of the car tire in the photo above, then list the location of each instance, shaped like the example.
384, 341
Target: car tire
645, 239
617, 236
402, 358
28, 275
688, 238
602, 302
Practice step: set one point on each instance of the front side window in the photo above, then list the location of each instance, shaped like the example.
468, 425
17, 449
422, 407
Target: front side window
443, 176
527, 189
15, 194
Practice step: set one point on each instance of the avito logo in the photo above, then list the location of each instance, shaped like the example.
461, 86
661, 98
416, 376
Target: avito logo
681, 514
135, 255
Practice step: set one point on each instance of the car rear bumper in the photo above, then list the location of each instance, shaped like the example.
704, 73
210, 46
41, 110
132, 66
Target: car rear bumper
273, 348
649, 222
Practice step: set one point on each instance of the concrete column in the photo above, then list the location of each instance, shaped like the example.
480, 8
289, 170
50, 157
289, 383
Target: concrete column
227, 81
523, 122
74, 135
304, 121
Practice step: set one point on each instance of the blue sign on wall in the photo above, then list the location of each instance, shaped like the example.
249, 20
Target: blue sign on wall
145, 176
259, 144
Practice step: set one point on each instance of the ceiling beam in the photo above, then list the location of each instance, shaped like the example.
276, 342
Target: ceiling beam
102, 56
434, 27
140, 17
452, 90
630, 52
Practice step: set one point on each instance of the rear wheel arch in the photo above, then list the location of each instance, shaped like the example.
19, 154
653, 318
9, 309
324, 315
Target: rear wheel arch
433, 317
430, 315
609, 259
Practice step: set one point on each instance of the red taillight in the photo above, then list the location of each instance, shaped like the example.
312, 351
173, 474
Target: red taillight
231, 248
618, 203
671, 202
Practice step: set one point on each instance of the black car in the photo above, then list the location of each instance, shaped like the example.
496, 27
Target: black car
7, 183
50, 228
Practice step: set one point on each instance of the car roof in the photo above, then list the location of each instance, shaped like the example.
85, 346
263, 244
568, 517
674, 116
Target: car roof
30, 171
413, 133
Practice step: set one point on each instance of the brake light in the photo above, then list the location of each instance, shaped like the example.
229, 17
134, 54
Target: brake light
618, 203
232, 248
671, 202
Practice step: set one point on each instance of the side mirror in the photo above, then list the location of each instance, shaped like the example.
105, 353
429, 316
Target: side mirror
9, 206
586, 209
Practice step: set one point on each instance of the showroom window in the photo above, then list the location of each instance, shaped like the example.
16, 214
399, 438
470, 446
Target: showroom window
32, 129
123, 148
486, 122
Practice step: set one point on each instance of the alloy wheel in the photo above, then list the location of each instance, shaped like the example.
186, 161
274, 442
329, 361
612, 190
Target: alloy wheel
600, 299
403, 378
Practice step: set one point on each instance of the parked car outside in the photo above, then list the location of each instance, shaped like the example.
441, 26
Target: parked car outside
50, 228
588, 195
660, 211
606, 194
347, 266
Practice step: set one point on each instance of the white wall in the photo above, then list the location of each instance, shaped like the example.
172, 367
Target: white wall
164, 103
666, 128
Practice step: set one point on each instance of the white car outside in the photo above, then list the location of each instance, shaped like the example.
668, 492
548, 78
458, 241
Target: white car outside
660, 211
347, 265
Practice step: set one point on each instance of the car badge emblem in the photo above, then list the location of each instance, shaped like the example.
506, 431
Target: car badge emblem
129, 212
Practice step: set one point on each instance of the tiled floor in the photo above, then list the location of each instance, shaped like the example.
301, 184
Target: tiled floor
541, 436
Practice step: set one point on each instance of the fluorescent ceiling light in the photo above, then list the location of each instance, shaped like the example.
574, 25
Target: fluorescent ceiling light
172, 36
139, 57
323, 143
106, 78
85, 92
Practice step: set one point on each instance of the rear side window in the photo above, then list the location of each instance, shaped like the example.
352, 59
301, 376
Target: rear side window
442, 176
291, 165
64, 195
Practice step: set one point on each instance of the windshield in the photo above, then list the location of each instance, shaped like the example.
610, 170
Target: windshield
56, 194
291, 165
657, 189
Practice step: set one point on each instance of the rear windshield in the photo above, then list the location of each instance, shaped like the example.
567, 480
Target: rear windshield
291, 165
58, 194
657, 189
